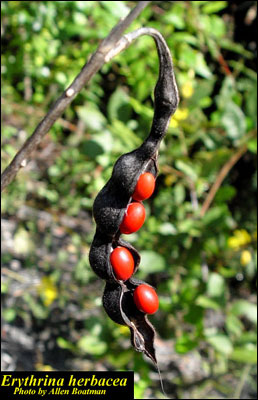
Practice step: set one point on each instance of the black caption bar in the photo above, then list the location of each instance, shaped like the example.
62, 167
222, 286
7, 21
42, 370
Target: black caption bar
23, 385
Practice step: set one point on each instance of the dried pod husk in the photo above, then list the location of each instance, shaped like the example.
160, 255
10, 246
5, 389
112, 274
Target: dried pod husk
119, 305
111, 299
100, 255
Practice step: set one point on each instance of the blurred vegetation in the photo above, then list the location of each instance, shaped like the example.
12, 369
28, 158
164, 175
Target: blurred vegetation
202, 263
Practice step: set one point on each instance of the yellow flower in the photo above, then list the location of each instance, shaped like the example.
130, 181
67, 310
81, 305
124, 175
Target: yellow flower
240, 238
41, 367
169, 179
233, 243
47, 290
173, 123
181, 114
246, 257
123, 330
187, 89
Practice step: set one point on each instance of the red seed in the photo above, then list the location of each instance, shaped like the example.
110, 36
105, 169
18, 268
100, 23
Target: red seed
144, 187
146, 299
122, 262
133, 219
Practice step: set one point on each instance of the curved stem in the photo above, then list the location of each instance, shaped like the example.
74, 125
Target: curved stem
166, 97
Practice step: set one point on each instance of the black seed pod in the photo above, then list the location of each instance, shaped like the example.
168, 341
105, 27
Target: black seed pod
111, 203
100, 255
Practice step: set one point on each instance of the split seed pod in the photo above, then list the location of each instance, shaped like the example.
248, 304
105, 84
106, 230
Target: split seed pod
111, 203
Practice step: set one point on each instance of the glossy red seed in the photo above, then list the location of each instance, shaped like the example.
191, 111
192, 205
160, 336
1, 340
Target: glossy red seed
144, 187
133, 219
122, 262
146, 299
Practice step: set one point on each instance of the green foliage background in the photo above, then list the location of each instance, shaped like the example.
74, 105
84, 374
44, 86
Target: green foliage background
204, 266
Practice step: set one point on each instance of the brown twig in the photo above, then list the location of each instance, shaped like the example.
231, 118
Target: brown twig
220, 178
102, 54
224, 64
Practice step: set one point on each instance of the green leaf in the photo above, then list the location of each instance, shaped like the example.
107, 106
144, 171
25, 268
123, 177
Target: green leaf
225, 193
194, 59
167, 229
128, 139
206, 102
80, 19
211, 246
151, 262
228, 44
252, 145
104, 140
251, 101
227, 272
120, 359
194, 315
141, 108
221, 343
92, 344
233, 121
218, 26
185, 344
65, 344
38, 310
227, 92
189, 226
187, 169
245, 309
203, 90
247, 338
201, 66
179, 194
91, 149
176, 17
206, 302
214, 215
9, 314
165, 303
118, 106
214, 6
214, 27
116, 8
10, 150
215, 285
199, 3
234, 325
92, 117
185, 37
244, 355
